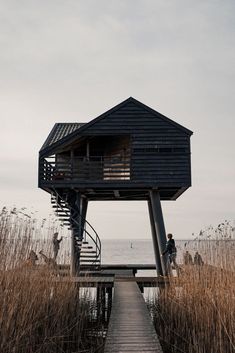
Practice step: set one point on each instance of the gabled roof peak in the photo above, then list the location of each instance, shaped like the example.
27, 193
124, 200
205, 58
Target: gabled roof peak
63, 132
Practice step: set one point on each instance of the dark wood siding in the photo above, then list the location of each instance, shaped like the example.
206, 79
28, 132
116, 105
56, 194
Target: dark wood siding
160, 151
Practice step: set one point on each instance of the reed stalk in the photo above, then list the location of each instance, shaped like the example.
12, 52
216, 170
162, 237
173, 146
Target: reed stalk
198, 316
37, 313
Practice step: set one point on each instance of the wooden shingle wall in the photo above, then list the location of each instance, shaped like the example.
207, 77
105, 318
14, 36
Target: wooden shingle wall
160, 151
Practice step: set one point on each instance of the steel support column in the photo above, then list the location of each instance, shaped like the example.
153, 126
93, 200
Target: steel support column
159, 226
155, 242
73, 254
84, 205
78, 215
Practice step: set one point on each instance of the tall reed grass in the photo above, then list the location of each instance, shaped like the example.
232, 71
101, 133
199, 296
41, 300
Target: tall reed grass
38, 314
199, 315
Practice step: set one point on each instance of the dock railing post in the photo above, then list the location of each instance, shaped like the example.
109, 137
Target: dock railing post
159, 226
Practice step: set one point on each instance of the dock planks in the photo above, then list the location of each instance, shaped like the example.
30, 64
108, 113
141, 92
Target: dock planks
130, 326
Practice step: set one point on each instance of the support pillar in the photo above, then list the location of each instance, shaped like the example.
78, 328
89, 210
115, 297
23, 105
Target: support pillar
78, 214
155, 242
98, 301
73, 255
110, 292
101, 302
84, 205
159, 226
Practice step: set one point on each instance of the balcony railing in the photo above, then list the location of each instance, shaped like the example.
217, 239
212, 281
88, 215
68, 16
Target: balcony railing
96, 168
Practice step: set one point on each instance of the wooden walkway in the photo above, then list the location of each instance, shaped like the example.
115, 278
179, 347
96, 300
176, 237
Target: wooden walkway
130, 326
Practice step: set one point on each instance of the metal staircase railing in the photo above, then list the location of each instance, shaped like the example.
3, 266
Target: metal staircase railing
90, 243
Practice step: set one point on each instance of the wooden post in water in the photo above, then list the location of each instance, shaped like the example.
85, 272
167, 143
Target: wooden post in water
159, 235
109, 307
98, 302
103, 302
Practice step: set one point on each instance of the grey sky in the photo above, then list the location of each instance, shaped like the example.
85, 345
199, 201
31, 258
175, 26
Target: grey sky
72, 60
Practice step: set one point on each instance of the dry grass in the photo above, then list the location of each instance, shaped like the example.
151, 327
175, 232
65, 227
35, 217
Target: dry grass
199, 317
38, 314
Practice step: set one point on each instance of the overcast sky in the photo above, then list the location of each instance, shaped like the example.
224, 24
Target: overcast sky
71, 60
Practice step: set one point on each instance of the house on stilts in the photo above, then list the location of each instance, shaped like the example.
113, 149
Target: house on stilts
131, 152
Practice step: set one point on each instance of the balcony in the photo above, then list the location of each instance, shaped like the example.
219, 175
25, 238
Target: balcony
84, 169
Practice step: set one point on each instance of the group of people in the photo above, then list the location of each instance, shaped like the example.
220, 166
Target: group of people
32, 258
172, 253
188, 260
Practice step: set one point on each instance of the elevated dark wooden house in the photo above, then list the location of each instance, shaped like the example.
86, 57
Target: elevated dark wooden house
131, 152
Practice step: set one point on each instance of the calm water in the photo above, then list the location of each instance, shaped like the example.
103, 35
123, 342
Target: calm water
136, 252
133, 251
125, 252
141, 251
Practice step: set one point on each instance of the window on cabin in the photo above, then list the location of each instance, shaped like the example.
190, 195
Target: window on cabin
160, 149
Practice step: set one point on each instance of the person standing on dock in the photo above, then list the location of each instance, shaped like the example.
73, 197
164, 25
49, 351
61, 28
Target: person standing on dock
56, 244
171, 251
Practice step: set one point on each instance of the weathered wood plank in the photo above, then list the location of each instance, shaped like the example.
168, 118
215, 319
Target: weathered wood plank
130, 327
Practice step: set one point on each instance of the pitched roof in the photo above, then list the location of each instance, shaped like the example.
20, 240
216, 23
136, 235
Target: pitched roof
83, 126
59, 131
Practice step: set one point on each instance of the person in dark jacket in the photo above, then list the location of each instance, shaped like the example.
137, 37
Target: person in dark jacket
56, 244
171, 251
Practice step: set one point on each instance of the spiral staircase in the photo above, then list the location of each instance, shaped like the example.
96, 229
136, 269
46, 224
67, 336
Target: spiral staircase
87, 248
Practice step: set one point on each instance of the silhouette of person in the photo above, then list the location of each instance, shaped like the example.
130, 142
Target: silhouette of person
198, 259
188, 260
56, 244
171, 251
